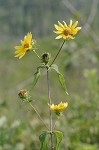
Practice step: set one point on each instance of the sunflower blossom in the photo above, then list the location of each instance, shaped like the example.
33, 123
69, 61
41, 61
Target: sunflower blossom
25, 46
58, 107
66, 31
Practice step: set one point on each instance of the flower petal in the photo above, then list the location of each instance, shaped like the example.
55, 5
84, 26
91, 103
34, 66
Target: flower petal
60, 25
65, 24
75, 24
18, 47
29, 37
71, 37
57, 32
70, 23
78, 28
58, 37
64, 36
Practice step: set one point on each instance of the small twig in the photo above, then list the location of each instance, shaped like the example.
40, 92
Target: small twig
36, 54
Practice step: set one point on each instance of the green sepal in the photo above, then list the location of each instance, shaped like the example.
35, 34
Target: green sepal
58, 138
43, 140
60, 77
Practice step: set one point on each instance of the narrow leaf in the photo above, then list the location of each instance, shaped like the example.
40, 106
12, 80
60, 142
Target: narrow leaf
58, 135
43, 140
55, 67
62, 81
60, 77
36, 77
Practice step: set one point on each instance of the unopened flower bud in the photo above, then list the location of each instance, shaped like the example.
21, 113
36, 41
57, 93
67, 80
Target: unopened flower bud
45, 58
23, 94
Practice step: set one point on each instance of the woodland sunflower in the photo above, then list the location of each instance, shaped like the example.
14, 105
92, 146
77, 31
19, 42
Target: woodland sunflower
25, 46
66, 31
59, 107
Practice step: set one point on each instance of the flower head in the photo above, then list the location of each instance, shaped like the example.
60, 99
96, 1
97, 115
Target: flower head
66, 31
58, 108
25, 46
23, 94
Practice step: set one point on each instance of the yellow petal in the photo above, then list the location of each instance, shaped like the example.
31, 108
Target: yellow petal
66, 104
60, 25
57, 32
71, 37
75, 24
58, 37
22, 42
18, 47
64, 36
75, 30
21, 55
78, 28
70, 23
29, 37
17, 55
65, 25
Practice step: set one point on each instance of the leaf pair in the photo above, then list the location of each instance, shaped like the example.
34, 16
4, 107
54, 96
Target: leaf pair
44, 139
54, 67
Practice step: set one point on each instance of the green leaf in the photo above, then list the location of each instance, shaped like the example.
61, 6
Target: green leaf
60, 77
58, 135
37, 74
43, 140
36, 77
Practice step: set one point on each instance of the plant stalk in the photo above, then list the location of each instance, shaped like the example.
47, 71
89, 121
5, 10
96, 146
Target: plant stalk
57, 53
49, 99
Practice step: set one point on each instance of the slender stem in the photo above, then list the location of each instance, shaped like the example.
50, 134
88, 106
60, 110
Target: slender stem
55, 124
49, 99
36, 54
58, 53
37, 114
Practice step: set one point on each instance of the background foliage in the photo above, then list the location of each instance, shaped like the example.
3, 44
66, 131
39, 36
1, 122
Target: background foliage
79, 62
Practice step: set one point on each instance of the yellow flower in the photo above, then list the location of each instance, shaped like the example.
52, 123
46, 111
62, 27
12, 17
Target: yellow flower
66, 31
58, 107
25, 46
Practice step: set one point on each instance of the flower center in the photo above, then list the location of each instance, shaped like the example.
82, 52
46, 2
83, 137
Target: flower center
67, 32
26, 45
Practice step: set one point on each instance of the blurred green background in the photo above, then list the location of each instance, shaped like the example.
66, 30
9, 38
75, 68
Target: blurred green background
78, 61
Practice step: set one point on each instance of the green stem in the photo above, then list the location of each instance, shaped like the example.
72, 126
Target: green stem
57, 53
36, 54
37, 114
49, 99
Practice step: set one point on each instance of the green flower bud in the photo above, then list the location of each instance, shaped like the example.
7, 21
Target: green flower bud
45, 58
